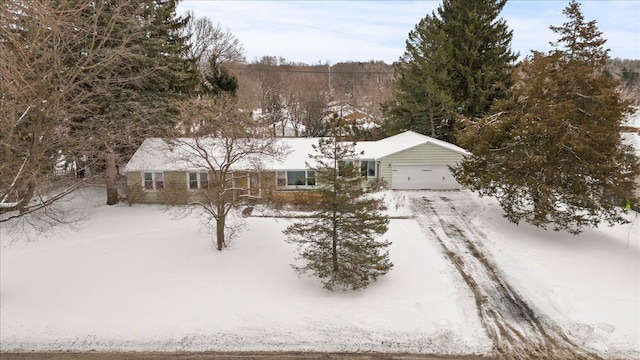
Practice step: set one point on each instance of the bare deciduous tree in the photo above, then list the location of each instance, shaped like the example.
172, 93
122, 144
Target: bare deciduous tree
229, 147
46, 79
208, 40
81, 82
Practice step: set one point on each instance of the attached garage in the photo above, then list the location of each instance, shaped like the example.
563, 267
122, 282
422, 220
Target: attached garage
411, 161
421, 177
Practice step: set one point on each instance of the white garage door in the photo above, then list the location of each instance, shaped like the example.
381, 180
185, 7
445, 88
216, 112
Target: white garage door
417, 177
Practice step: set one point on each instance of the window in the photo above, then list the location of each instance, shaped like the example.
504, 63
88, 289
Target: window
198, 180
367, 168
254, 180
296, 178
345, 167
153, 181
311, 178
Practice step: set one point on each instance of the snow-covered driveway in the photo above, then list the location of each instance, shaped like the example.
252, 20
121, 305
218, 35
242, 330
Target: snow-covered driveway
517, 329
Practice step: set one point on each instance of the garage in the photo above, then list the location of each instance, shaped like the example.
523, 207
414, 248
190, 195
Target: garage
418, 177
412, 161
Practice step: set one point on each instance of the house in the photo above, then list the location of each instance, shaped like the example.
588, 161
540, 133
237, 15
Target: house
407, 161
350, 114
283, 124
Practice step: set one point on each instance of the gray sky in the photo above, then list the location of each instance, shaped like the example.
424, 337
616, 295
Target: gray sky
337, 31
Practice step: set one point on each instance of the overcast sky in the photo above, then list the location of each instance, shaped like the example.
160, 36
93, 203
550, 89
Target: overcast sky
337, 31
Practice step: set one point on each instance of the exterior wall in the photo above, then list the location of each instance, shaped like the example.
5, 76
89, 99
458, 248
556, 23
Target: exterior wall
425, 154
132, 179
176, 187
137, 194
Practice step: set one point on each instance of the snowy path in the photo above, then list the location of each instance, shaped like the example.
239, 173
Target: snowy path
517, 330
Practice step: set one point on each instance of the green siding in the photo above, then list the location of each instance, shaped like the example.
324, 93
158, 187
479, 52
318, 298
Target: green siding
425, 154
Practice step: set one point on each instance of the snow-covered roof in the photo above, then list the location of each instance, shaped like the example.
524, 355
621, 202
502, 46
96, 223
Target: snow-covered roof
160, 155
157, 154
403, 141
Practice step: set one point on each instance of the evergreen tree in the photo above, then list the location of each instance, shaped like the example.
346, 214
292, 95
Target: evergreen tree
217, 79
552, 151
137, 100
456, 62
420, 101
338, 241
630, 78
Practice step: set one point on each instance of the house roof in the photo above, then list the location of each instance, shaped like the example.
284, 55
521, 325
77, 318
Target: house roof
403, 141
156, 154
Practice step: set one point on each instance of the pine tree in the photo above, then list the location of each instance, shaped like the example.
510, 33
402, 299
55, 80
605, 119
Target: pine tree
217, 79
552, 151
420, 101
338, 242
456, 62
138, 99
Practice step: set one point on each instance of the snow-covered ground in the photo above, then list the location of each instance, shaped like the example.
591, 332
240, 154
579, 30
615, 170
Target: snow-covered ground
589, 284
135, 278
633, 120
633, 137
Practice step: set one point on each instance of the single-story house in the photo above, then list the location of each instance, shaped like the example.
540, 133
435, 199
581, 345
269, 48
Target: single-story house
406, 161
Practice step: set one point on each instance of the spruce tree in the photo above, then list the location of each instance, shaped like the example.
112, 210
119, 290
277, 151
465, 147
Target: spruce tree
420, 101
338, 242
457, 61
552, 151
218, 80
138, 97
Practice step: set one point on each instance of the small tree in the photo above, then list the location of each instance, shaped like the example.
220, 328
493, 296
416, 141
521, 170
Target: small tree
338, 241
552, 152
227, 144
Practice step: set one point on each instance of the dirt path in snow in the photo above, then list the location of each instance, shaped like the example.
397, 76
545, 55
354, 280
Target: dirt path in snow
517, 331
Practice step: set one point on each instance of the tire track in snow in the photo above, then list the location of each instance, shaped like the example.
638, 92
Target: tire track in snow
516, 329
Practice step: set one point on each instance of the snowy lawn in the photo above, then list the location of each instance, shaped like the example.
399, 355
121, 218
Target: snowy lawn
133, 278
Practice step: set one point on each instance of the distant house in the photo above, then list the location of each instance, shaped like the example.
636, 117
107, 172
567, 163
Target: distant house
407, 161
283, 123
350, 114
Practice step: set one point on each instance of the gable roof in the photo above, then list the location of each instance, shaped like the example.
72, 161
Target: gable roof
156, 154
404, 141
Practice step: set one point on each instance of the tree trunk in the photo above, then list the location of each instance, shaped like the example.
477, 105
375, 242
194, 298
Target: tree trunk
24, 197
111, 178
220, 232
334, 235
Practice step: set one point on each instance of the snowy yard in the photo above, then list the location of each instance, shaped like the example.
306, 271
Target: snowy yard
134, 278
